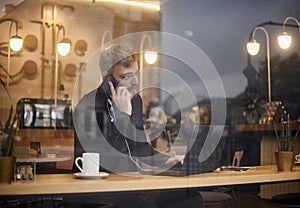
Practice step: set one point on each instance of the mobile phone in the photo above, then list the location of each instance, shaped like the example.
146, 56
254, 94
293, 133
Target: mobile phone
106, 87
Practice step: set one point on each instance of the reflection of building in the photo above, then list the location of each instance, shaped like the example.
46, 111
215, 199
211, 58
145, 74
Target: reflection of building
285, 83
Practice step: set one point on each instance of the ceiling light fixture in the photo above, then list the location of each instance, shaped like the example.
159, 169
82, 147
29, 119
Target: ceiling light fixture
135, 3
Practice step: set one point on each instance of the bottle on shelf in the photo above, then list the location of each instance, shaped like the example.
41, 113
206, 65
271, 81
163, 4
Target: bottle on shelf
18, 172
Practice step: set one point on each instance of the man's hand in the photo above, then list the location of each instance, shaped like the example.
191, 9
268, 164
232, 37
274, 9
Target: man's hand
121, 98
172, 161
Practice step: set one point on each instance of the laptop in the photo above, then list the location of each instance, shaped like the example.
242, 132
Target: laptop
203, 153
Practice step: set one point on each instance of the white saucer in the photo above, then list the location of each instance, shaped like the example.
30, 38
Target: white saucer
91, 176
297, 162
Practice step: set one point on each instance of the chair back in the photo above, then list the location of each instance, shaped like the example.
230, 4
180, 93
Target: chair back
237, 158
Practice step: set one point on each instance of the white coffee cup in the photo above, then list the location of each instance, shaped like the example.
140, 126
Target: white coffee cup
90, 163
297, 157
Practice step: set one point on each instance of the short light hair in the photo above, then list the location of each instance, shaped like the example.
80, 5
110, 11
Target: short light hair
114, 55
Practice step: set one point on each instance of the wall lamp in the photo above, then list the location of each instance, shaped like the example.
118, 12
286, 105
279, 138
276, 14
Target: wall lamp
63, 48
253, 49
15, 42
64, 45
149, 55
285, 39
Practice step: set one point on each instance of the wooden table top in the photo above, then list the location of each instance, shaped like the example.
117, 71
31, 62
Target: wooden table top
67, 183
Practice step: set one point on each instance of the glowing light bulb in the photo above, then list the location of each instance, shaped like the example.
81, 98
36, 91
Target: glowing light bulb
64, 47
150, 57
253, 48
16, 43
284, 40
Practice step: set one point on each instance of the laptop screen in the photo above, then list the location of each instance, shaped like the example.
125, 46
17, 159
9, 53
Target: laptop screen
206, 146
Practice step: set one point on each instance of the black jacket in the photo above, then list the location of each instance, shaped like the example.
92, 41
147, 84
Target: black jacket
95, 132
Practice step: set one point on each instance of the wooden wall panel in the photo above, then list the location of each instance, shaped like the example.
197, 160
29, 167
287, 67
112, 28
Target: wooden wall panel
50, 139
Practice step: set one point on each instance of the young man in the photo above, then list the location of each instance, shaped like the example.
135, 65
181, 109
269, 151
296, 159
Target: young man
118, 116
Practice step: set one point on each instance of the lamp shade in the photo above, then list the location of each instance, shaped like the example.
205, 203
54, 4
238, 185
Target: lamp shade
63, 47
253, 48
16, 43
284, 40
150, 57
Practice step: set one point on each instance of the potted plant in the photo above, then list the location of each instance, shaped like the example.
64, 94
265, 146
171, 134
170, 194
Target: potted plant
286, 142
9, 134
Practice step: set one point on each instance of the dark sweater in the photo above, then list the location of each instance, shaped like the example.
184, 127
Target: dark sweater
95, 132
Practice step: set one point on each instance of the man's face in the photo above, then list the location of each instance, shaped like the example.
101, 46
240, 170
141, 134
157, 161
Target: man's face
127, 77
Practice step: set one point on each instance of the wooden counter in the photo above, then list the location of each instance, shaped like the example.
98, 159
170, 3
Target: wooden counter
262, 127
268, 145
51, 140
47, 137
43, 158
66, 183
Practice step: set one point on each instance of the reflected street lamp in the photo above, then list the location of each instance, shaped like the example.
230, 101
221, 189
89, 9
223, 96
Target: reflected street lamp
150, 57
253, 49
285, 39
105, 34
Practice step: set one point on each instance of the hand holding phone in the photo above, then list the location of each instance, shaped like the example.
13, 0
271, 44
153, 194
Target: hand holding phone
107, 90
121, 98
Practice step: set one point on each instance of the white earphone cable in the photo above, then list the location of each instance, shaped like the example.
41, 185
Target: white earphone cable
130, 156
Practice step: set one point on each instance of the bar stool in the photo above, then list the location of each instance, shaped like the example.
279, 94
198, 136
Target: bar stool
214, 198
219, 197
287, 200
65, 166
